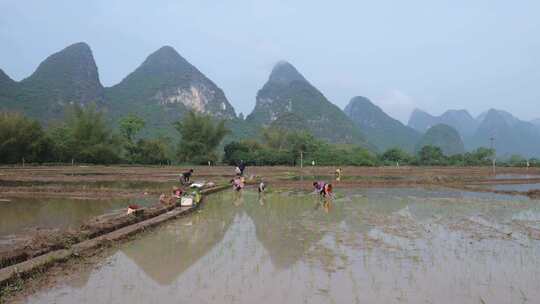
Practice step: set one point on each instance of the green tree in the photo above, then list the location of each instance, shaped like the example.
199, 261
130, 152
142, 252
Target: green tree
129, 126
85, 137
431, 155
62, 143
517, 160
151, 151
299, 144
281, 147
254, 153
294, 142
200, 136
395, 155
479, 157
22, 139
329, 154
534, 162
275, 138
236, 151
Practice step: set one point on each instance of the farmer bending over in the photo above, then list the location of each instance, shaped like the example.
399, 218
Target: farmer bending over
238, 183
185, 178
323, 188
242, 167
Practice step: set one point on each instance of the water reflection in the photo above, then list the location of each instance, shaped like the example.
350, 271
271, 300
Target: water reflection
23, 213
372, 246
515, 176
168, 253
289, 224
516, 187
120, 184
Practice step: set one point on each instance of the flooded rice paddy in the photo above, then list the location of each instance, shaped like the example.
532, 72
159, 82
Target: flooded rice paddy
20, 214
342, 178
366, 246
115, 184
516, 187
515, 176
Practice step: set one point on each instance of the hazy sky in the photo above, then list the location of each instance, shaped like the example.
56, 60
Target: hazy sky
435, 55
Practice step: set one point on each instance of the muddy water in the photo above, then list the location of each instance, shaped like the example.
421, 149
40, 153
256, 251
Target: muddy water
20, 214
374, 246
515, 176
119, 184
517, 187
343, 178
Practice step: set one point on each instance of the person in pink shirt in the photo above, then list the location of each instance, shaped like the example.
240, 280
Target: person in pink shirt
323, 188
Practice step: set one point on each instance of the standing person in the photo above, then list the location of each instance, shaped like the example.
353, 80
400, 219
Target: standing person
185, 178
338, 174
242, 167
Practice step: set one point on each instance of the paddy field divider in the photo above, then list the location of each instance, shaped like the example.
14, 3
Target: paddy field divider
109, 235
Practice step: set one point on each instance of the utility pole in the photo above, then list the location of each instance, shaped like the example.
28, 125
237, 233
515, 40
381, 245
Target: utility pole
493, 160
301, 159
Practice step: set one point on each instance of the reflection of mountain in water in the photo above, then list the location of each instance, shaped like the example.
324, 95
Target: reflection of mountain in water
241, 253
173, 248
288, 225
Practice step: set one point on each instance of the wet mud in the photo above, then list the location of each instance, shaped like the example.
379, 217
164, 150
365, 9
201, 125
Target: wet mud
389, 212
378, 245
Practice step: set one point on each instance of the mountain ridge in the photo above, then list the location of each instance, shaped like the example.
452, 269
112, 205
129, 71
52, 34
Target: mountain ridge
443, 136
379, 128
69, 76
162, 89
5, 79
461, 120
166, 85
285, 73
168, 78
510, 135
7, 85
288, 91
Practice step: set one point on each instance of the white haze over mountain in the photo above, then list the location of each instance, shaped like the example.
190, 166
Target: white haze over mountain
432, 55
397, 104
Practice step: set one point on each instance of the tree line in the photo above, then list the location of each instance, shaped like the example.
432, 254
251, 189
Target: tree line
284, 147
84, 136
